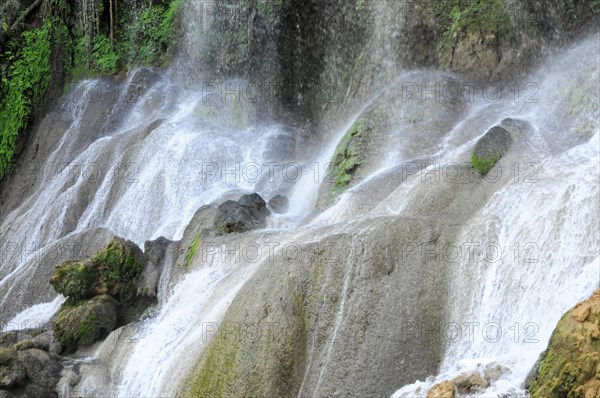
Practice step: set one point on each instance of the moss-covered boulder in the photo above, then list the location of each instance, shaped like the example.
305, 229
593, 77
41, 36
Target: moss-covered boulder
12, 372
83, 323
570, 367
115, 270
490, 148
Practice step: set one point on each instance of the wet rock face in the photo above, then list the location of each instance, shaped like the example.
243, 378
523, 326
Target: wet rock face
295, 304
279, 204
249, 212
490, 148
570, 366
407, 121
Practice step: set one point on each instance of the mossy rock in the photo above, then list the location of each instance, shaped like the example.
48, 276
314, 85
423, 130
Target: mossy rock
83, 323
570, 368
115, 271
74, 279
346, 158
7, 356
490, 148
12, 372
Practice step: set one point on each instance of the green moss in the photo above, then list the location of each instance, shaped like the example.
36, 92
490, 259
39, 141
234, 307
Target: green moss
74, 279
568, 369
191, 251
118, 271
218, 369
483, 165
113, 270
82, 323
7, 356
346, 158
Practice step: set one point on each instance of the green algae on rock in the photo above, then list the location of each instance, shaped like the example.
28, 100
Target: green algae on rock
570, 368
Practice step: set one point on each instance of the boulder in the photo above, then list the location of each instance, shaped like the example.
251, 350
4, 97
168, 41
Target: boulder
490, 148
570, 367
470, 382
249, 212
12, 372
279, 204
28, 373
83, 323
117, 271
257, 204
233, 217
43, 372
494, 371
445, 389
45, 341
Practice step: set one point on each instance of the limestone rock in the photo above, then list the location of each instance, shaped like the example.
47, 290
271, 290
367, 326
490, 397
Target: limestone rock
249, 212
571, 364
470, 382
494, 371
445, 389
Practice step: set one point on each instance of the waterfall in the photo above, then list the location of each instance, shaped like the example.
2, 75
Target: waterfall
140, 166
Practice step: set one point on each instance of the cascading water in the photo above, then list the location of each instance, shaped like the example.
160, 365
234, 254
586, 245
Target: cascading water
545, 222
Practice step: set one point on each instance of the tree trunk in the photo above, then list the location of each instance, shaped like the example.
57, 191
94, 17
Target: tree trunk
112, 32
19, 20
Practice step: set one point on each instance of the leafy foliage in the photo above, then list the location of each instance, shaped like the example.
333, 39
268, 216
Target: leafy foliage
104, 58
22, 86
145, 37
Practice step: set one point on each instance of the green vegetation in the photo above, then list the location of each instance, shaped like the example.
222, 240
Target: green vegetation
113, 271
101, 45
569, 367
191, 251
346, 158
483, 165
74, 280
22, 86
145, 36
84, 322
482, 16
7, 356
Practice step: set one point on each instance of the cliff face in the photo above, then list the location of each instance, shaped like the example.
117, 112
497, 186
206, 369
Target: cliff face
316, 61
571, 365
322, 58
